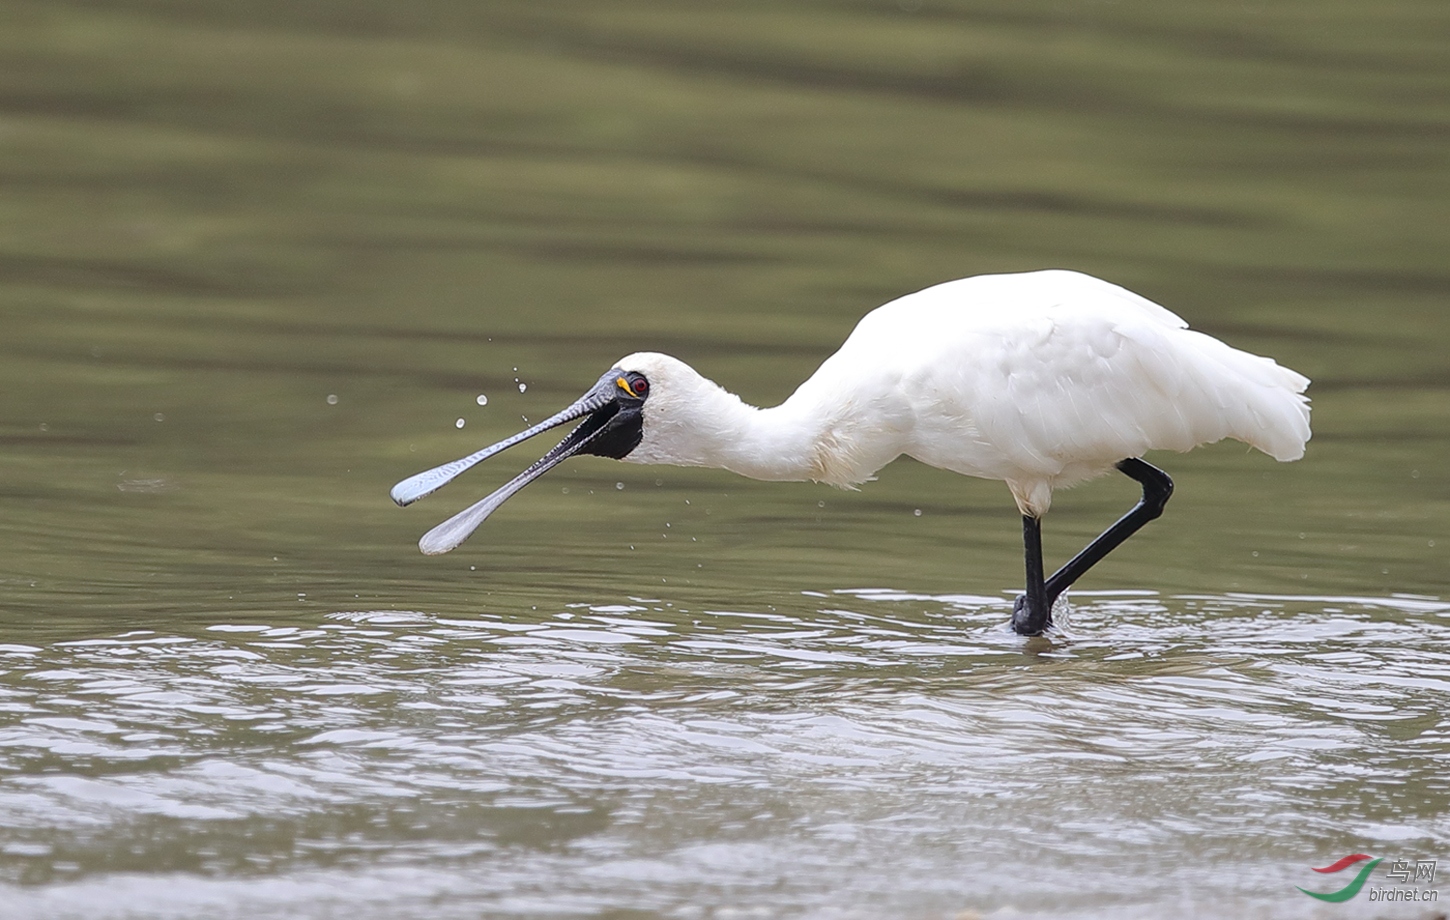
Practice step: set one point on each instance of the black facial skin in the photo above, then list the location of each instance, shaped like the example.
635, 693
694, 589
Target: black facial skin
622, 421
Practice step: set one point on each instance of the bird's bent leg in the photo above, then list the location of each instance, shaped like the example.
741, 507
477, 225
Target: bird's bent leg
1033, 611
1157, 488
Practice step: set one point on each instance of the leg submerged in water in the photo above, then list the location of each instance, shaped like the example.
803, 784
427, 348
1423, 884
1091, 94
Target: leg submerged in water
1032, 613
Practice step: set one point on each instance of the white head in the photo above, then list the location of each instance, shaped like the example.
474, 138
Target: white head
685, 418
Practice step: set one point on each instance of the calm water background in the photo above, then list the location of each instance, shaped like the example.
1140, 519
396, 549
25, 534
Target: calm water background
258, 261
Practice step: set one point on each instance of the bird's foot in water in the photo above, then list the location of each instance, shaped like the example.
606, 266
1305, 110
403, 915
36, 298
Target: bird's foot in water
1024, 623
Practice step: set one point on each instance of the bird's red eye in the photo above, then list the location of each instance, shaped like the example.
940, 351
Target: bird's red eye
640, 386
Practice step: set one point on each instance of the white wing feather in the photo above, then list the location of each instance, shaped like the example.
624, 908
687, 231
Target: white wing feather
1049, 378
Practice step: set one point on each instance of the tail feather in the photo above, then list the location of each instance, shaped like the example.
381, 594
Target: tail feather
1205, 391
1264, 401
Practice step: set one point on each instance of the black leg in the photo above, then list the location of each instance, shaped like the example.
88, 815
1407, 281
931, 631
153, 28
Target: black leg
1157, 488
1033, 611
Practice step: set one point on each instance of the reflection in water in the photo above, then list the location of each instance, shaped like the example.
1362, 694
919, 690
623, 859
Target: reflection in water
550, 765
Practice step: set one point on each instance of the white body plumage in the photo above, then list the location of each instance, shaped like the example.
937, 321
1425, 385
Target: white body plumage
1042, 380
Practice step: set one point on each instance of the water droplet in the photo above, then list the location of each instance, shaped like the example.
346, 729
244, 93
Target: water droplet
523, 387
1432, 542
458, 424
1255, 554
917, 512
482, 400
160, 417
1414, 474
619, 485
44, 426
566, 490
332, 399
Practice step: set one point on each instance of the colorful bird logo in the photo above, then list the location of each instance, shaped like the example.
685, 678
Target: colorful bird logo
1350, 890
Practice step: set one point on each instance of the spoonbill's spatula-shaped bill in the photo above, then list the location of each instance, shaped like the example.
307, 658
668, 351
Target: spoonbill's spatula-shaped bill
611, 420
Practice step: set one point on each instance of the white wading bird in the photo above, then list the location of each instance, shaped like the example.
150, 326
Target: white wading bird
1042, 380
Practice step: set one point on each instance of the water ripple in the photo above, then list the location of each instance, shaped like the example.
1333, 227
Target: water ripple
618, 742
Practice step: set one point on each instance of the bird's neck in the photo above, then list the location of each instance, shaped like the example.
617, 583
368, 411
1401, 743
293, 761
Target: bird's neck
779, 443
704, 425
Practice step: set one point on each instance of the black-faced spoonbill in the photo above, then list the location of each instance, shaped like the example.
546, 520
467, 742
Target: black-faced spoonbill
1042, 379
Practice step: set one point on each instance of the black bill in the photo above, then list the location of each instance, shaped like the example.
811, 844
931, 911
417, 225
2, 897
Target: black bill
608, 409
